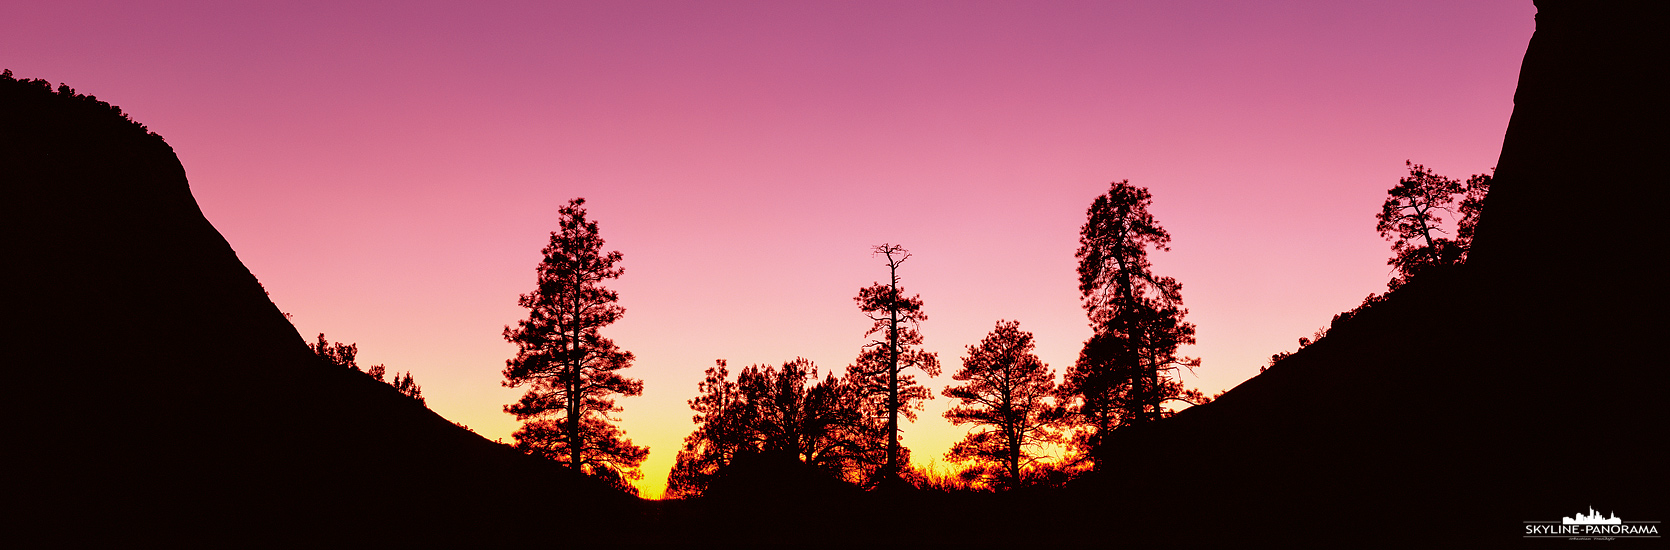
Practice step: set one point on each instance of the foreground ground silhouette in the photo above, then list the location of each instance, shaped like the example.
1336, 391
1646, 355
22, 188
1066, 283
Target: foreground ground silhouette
154, 391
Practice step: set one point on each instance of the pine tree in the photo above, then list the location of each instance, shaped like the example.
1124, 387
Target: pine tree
1124, 372
881, 368
1410, 219
1005, 392
572, 372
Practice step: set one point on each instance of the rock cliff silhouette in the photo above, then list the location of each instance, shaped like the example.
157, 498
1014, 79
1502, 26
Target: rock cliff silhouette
154, 393
1478, 397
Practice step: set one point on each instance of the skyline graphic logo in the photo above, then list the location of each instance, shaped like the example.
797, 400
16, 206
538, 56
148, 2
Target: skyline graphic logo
1594, 518
1591, 526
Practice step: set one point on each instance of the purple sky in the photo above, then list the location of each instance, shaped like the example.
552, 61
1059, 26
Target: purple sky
391, 171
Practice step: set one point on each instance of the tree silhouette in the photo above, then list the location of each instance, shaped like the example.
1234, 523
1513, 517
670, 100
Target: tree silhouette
786, 412
343, 355
1410, 219
1471, 206
880, 368
336, 353
795, 414
1006, 394
723, 422
1122, 376
406, 386
571, 371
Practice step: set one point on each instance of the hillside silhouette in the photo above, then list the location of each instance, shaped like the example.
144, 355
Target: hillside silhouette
154, 392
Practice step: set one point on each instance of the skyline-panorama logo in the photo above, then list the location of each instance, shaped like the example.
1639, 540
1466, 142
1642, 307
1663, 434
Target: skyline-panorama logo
1591, 526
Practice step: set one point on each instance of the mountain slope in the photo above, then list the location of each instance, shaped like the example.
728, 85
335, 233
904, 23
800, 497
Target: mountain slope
153, 390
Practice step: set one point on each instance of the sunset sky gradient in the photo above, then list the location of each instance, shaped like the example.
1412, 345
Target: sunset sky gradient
391, 171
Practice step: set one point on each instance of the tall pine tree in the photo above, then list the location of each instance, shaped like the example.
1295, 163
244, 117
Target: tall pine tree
571, 371
1124, 372
881, 368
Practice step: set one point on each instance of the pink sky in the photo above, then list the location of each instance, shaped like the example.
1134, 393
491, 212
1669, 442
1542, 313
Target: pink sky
391, 172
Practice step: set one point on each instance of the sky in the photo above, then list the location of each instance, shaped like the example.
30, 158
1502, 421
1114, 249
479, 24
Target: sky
390, 171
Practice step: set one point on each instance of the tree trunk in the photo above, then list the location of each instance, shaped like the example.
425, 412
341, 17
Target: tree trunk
1426, 231
893, 374
1014, 452
1011, 429
574, 400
